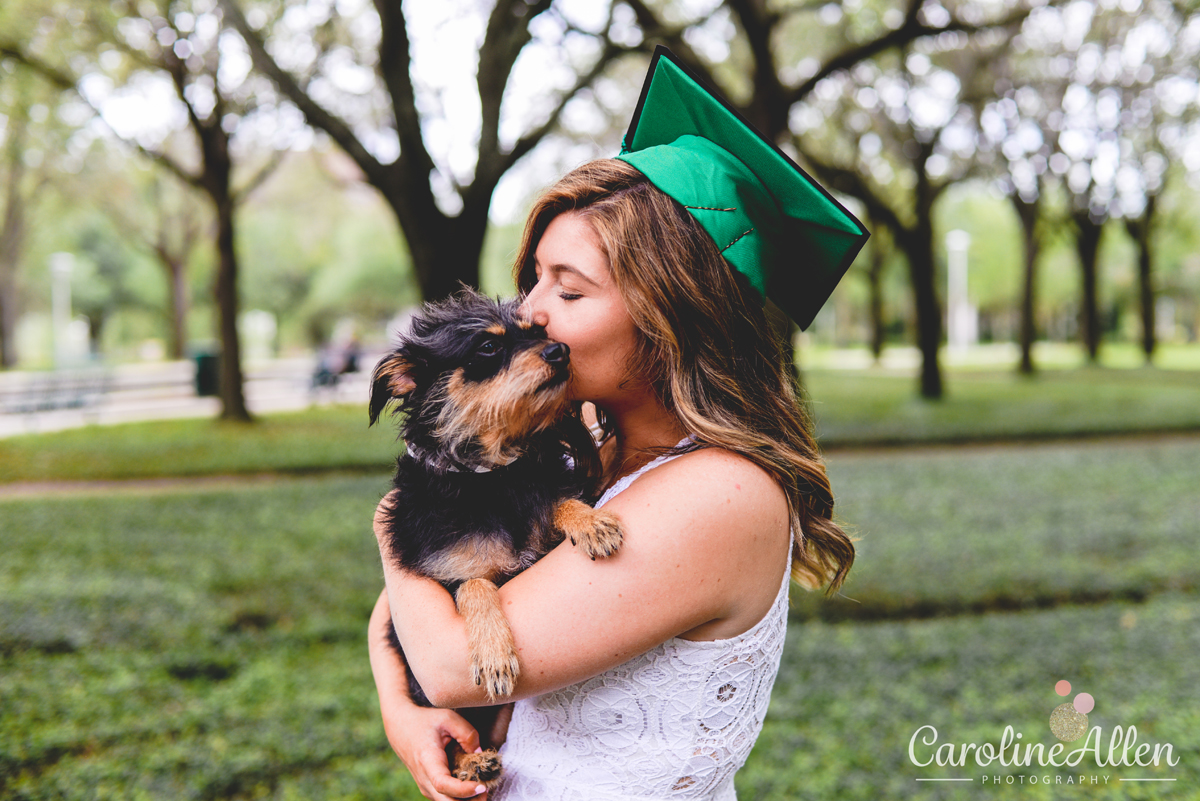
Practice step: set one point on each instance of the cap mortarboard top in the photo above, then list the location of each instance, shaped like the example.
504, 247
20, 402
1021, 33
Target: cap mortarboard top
773, 223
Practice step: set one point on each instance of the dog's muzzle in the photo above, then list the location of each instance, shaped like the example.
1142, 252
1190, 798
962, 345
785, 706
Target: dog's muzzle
557, 354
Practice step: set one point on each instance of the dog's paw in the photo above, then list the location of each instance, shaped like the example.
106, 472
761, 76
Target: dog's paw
482, 768
596, 531
605, 536
496, 670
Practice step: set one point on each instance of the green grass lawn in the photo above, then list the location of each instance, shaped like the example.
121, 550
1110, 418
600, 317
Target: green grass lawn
850, 697
322, 438
852, 408
952, 530
203, 645
211, 643
864, 407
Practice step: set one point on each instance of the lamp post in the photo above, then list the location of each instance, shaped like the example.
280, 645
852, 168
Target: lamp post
61, 265
960, 320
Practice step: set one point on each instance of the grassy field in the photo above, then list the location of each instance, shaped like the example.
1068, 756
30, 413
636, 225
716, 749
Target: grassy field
320, 439
871, 408
1006, 527
851, 407
210, 643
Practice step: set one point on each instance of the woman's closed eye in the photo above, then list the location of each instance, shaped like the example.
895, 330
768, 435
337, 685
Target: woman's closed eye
565, 295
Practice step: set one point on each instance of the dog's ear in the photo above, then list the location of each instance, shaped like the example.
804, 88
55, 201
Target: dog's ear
391, 380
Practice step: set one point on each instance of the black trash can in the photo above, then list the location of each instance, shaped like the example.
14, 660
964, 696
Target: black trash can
208, 375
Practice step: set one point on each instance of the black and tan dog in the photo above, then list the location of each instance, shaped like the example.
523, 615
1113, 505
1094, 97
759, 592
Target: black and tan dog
485, 486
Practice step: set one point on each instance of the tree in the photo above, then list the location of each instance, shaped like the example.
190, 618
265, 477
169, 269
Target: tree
29, 133
816, 44
183, 42
445, 240
164, 221
1016, 143
880, 252
895, 133
1120, 85
1154, 118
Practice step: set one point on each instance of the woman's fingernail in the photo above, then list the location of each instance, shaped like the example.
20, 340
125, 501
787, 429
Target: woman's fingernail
479, 750
480, 789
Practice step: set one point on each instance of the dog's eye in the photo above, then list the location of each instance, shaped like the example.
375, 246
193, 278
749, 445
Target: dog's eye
489, 348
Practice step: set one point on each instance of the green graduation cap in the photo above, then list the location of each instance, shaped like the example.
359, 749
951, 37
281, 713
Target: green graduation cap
773, 223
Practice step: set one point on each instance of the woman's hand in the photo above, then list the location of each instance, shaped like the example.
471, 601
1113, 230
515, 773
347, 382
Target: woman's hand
419, 735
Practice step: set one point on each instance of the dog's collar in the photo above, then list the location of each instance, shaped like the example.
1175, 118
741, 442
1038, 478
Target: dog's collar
439, 463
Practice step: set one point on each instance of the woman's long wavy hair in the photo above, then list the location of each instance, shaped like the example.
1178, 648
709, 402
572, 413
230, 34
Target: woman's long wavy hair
703, 343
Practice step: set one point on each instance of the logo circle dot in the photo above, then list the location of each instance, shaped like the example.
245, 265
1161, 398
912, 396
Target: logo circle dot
1063, 687
1067, 724
1084, 703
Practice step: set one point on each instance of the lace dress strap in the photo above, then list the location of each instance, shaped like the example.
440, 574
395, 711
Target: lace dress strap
623, 482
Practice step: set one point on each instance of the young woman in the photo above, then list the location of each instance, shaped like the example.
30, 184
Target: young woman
645, 675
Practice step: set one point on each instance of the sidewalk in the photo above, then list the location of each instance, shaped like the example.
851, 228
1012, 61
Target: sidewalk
158, 391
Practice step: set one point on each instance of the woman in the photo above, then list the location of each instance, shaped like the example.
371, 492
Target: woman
647, 674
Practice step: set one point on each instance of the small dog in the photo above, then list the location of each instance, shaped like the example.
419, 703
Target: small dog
485, 486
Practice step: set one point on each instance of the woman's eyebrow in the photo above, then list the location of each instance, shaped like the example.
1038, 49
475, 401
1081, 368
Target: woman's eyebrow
566, 268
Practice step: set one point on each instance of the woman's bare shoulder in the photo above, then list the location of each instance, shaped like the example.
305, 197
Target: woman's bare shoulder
713, 468
727, 490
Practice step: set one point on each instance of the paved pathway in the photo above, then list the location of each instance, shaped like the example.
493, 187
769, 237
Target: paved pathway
32, 402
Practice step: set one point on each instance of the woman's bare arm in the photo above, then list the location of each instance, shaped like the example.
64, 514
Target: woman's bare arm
418, 735
705, 547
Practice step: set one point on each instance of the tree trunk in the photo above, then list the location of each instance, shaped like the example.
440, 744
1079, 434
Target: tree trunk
233, 399
445, 250
875, 286
177, 283
919, 249
1027, 212
1087, 245
12, 240
1140, 231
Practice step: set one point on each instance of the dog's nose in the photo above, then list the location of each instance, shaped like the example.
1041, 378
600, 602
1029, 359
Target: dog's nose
556, 353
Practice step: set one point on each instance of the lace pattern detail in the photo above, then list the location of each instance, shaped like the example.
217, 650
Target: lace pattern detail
673, 723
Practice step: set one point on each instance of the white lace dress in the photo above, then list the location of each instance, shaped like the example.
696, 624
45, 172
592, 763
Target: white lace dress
674, 723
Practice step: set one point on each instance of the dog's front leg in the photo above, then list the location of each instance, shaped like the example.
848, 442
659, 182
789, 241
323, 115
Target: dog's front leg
598, 532
493, 652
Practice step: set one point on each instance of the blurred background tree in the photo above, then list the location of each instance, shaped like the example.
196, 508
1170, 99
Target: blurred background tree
391, 149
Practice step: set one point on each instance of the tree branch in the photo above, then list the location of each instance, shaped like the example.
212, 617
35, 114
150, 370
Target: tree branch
260, 177
60, 79
530, 140
316, 115
911, 30
66, 82
507, 33
672, 37
851, 183
394, 59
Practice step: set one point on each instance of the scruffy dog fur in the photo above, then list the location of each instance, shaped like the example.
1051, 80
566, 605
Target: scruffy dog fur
484, 488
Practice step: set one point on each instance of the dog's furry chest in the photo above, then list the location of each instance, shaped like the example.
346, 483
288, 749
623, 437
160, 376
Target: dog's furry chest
457, 526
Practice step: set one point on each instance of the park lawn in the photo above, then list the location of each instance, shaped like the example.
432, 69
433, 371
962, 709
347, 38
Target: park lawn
851, 408
211, 644
866, 407
850, 697
320, 438
1008, 527
193, 645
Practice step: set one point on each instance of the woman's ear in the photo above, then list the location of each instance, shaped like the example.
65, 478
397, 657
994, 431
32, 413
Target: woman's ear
391, 381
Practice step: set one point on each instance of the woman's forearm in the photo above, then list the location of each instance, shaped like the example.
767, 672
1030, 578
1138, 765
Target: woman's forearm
387, 666
434, 637
417, 734
433, 633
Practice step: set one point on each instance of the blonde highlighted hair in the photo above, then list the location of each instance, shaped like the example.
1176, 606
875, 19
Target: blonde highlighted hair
703, 343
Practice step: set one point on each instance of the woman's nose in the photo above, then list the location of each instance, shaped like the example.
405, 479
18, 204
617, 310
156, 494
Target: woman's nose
530, 311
